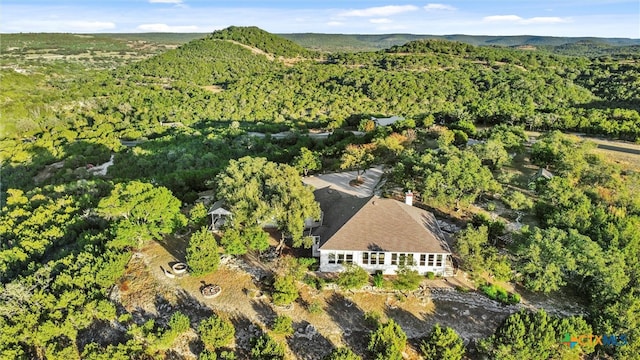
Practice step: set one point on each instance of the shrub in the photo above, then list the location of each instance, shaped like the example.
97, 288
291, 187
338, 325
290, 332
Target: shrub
431, 275
285, 291
232, 242
216, 332
202, 253
353, 277
283, 325
378, 280
342, 353
500, 294
491, 206
442, 344
388, 341
407, 279
266, 348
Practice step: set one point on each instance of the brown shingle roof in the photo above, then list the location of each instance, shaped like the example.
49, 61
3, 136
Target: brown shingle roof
387, 225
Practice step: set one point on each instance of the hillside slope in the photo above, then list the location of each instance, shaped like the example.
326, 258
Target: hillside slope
265, 41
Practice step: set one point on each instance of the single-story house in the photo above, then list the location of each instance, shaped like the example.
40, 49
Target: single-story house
378, 235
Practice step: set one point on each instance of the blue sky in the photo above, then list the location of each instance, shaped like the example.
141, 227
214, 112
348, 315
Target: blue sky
603, 18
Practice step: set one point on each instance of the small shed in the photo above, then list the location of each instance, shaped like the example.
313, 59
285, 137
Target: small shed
219, 215
544, 173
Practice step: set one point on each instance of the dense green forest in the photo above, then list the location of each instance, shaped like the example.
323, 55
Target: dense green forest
180, 121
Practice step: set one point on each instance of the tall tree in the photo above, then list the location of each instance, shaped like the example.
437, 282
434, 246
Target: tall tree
144, 212
442, 344
388, 341
258, 191
202, 253
307, 161
358, 157
455, 178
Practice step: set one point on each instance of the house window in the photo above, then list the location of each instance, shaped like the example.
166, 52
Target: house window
373, 258
423, 259
431, 260
348, 258
438, 260
341, 258
402, 259
409, 260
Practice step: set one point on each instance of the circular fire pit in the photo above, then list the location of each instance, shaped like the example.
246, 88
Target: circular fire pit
211, 291
179, 268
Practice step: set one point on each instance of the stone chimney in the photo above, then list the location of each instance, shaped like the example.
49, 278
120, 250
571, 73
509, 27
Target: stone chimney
408, 198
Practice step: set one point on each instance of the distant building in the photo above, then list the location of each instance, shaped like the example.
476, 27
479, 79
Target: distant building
386, 121
378, 235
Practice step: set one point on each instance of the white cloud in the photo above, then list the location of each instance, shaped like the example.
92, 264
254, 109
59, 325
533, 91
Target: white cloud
515, 19
380, 21
335, 23
167, 28
546, 20
439, 7
166, 2
380, 11
502, 18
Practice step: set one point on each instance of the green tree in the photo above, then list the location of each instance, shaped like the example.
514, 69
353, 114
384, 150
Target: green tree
202, 253
388, 341
342, 353
493, 153
216, 332
178, 324
442, 344
470, 245
283, 325
198, 215
266, 348
259, 191
543, 259
455, 178
307, 161
256, 238
536, 336
144, 211
352, 277
284, 290
358, 157
233, 243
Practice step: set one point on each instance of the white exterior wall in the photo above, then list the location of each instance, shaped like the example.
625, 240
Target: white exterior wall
387, 268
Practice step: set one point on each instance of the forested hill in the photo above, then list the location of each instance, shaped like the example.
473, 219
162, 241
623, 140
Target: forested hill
204, 61
260, 39
359, 42
215, 79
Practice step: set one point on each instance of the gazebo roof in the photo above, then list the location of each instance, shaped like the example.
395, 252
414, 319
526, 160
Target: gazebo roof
217, 209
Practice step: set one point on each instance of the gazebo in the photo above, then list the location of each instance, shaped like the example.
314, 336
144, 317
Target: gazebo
219, 215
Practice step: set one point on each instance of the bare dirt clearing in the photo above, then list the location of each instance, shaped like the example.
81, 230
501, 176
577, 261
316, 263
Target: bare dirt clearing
322, 318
